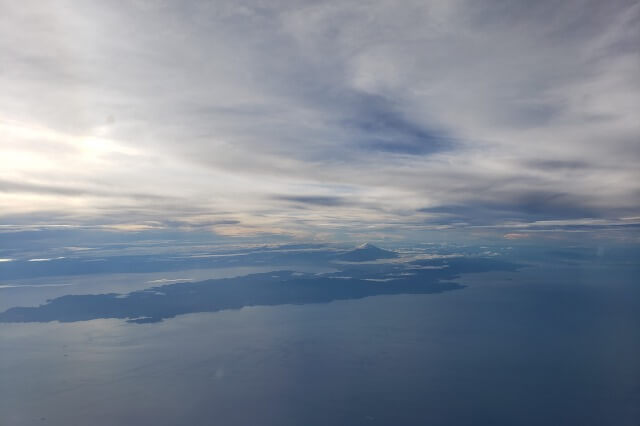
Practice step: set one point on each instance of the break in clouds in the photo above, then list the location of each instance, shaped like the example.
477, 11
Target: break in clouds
312, 118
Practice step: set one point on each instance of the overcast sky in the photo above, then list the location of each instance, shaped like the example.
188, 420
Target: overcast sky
319, 118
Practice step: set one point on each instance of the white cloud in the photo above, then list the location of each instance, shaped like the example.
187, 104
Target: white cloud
47, 259
226, 115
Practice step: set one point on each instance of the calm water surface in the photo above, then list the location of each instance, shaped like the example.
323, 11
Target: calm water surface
537, 346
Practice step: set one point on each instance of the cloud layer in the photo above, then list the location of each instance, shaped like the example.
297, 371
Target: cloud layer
320, 118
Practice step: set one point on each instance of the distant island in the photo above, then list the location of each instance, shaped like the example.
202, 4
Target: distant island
284, 287
365, 253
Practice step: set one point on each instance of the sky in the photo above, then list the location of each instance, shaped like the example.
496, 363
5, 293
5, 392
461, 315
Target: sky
322, 120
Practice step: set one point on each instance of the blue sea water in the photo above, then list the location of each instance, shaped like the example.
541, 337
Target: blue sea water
548, 343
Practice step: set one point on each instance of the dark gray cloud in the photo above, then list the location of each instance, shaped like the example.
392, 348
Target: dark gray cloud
378, 126
318, 200
76, 190
555, 165
528, 208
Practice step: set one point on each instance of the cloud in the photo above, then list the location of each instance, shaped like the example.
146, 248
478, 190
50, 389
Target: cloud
515, 236
132, 227
47, 259
309, 118
313, 199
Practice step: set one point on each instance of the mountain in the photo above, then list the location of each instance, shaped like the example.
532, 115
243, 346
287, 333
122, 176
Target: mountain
367, 252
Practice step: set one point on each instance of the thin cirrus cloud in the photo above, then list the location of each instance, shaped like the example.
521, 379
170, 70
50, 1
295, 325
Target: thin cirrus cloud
309, 118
